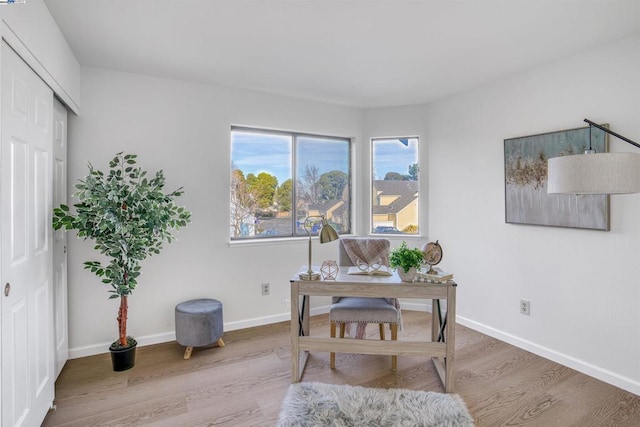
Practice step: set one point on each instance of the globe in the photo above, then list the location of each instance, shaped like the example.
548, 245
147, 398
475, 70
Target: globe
432, 255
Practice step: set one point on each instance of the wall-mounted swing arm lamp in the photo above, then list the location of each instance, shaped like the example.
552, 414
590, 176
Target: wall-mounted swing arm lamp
595, 173
327, 234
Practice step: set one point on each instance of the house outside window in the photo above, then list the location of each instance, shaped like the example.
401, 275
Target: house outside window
278, 179
394, 186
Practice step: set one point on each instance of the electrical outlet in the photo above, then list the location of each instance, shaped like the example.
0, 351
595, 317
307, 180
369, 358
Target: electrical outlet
266, 288
287, 303
525, 307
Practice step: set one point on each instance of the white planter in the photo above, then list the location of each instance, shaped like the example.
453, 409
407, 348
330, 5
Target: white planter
407, 276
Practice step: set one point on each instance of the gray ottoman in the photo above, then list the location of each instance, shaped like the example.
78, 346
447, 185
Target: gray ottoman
198, 324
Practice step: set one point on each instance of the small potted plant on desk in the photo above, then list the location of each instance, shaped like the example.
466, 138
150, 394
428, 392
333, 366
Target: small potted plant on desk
129, 217
406, 261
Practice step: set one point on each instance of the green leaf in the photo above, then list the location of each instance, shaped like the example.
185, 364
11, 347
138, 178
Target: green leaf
126, 215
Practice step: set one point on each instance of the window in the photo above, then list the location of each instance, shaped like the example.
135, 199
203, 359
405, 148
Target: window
278, 179
394, 186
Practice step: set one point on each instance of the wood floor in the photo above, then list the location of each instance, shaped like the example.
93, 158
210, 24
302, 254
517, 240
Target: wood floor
243, 383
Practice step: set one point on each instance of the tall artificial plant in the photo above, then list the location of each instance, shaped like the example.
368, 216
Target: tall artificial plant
129, 217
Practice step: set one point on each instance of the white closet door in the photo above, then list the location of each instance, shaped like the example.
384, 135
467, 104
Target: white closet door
61, 324
26, 269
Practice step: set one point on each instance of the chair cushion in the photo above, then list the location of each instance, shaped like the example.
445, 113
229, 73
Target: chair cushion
363, 310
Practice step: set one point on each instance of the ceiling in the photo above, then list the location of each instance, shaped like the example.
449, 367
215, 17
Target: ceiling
350, 52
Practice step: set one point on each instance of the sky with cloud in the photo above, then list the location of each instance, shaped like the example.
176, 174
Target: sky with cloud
271, 153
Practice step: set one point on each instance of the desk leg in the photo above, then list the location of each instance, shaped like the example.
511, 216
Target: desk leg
435, 319
442, 321
306, 314
451, 337
295, 333
443, 330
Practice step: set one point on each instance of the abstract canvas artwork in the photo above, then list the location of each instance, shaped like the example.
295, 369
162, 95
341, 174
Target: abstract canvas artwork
525, 170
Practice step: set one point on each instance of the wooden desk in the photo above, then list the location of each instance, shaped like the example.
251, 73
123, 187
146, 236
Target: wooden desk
442, 353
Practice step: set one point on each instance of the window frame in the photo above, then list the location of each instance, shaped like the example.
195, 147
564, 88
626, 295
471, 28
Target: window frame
373, 195
295, 178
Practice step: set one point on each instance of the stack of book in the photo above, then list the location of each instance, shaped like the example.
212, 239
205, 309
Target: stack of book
438, 277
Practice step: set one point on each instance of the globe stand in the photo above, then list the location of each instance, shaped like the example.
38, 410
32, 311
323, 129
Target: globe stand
431, 270
432, 255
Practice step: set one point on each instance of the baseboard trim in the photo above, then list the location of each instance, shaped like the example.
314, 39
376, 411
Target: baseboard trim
571, 362
414, 306
563, 359
76, 353
101, 348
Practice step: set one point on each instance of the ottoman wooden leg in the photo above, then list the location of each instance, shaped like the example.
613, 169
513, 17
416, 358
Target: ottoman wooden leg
187, 353
220, 343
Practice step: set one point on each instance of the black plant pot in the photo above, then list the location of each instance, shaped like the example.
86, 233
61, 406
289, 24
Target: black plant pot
123, 358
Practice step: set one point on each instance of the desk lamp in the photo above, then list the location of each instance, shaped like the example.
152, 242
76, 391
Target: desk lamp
327, 234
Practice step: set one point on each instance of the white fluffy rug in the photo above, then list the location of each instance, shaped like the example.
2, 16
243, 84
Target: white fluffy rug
317, 404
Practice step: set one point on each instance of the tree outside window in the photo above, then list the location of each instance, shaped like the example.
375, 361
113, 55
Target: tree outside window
280, 178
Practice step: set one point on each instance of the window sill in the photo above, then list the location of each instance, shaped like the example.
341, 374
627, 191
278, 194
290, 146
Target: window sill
275, 241
305, 239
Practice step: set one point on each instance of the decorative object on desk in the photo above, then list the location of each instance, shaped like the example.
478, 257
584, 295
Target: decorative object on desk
329, 270
432, 255
406, 261
526, 197
595, 172
435, 275
407, 275
129, 216
327, 234
318, 404
375, 269
364, 266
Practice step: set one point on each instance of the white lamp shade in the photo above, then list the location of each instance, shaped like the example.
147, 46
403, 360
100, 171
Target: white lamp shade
598, 173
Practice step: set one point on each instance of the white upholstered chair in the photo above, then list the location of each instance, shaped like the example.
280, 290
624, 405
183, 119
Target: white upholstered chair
362, 311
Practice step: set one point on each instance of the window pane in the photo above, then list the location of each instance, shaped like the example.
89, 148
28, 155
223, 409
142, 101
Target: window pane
395, 187
323, 182
260, 184
269, 200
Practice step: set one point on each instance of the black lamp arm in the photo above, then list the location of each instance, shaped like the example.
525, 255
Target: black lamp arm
612, 133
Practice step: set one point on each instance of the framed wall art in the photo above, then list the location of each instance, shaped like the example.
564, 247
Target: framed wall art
525, 171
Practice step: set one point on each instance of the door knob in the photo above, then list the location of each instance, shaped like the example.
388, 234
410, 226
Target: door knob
7, 289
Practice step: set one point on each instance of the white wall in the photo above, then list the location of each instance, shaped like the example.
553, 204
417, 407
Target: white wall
584, 286
397, 122
184, 129
31, 31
